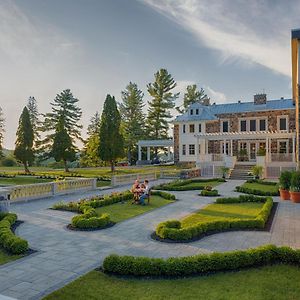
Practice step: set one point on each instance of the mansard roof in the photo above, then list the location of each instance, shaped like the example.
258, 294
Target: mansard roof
211, 112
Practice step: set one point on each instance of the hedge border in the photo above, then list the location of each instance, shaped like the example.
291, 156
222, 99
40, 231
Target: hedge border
10, 242
257, 192
179, 185
201, 264
171, 230
212, 193
88, 219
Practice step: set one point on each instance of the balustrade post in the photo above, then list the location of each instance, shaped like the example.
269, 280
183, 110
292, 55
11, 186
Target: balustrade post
94, 183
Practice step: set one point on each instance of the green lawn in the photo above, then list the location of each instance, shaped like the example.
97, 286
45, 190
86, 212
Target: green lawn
20, 180
5, 258
196, 185
121, 211
227, 211
260, 186
266, 283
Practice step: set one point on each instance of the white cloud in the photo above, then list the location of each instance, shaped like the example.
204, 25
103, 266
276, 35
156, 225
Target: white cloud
227, 27
215, 96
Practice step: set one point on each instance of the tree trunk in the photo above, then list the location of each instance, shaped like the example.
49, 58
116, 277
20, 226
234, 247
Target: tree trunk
66, 166
26, 167
112, 166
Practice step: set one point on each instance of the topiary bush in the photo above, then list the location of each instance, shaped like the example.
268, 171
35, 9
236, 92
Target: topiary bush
285, 180
211, 193
200, 264
8, 240
167, 229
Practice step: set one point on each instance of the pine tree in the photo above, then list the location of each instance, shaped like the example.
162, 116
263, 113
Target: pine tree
133, 118
62, 122
111, 141
34, 118
1, 132
90, 155
192, 95
159, 107
63, 149
24, 143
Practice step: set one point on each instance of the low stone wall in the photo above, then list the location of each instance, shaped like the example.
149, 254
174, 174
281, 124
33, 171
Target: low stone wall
130, 178
43, 190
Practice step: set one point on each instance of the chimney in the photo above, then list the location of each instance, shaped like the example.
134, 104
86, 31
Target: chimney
260, 99
206, 101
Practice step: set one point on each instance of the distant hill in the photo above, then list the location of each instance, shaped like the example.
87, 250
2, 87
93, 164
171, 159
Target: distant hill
8, 152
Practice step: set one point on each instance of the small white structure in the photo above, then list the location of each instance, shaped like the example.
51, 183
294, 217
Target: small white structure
153, 144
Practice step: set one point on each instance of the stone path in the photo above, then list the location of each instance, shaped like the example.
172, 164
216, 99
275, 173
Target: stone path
63, 255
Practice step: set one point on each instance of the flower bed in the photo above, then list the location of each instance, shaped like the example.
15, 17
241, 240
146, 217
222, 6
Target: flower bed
200, 264
173, 230
8, 240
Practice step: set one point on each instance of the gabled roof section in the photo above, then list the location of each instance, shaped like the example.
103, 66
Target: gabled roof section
209, 113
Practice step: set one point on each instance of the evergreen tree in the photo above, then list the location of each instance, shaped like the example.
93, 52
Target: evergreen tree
192, 95
24, 143
34, 118
1, 132
90, 155
62, 122
111, 141
63, 149
133, 118
159, 107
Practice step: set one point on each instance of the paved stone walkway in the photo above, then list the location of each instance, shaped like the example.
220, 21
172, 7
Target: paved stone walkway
64, 255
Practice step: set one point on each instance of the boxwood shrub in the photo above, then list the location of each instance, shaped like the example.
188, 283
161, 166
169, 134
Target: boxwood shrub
172, 230
212, 193
8, 240
180, 185
200, 264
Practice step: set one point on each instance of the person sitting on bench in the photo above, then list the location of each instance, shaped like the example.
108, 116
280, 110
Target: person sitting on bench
146, 191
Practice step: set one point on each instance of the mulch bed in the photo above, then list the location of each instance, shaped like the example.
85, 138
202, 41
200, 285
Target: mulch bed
70, 227
266, 228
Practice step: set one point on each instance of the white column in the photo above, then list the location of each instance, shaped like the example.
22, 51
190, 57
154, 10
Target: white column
231, 147
140, 152
294, 158
169, 153
224, 147
148, 153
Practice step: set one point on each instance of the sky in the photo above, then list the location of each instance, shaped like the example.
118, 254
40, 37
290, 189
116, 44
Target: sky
232, 48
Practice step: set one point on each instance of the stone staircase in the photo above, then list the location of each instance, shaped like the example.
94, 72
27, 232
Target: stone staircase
241, 172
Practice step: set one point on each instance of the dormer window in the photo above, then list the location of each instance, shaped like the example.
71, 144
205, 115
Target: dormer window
192, 111
197, 111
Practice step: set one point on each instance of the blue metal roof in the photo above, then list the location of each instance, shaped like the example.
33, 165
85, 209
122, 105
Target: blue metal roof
209, 112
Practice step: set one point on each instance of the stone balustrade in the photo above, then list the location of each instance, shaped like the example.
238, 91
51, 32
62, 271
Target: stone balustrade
43, 190
130, 178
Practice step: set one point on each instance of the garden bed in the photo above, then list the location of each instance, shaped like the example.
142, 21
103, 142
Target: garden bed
259, 187
189, 184
226, 214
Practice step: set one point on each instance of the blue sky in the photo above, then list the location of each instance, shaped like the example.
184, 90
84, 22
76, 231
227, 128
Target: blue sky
233, 49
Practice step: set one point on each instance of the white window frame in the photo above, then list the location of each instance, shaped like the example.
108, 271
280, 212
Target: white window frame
286, 117
192, 124
266, 122
287, 145
247, 126
225, 120
190, 149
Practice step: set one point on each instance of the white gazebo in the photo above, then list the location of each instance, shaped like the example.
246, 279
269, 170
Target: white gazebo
153, 144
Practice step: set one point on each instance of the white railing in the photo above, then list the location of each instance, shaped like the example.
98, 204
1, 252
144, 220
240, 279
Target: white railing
211, 170
130, 178
275, 171
282, 157
217, 157
170, 174
43, 190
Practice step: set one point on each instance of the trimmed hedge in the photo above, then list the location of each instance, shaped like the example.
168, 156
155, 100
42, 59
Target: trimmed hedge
88, 218
212, 193
180, 185
8, 240
200, 264
261, 182
172, 229
245, 190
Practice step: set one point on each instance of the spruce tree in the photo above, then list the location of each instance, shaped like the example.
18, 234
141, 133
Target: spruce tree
133, 118
90, 155
24, 143
63, 149
159, 107
62, 122
34, 118
111, 141
1, 133
192, 95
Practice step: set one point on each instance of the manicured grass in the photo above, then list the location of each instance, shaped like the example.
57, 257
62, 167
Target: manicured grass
189, 184
272, 282
5, 258
21, 180
196, 185
215, 211
260, 186
121, 211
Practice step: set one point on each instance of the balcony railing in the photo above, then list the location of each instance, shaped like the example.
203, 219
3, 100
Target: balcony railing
284, 157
